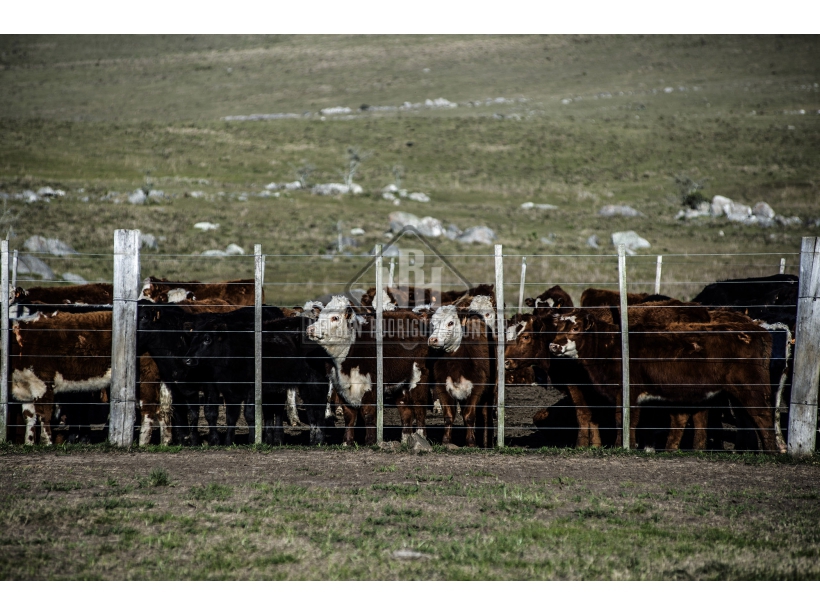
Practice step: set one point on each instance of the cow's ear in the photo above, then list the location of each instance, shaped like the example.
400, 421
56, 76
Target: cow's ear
589, 321
350, 313
558, 303
529, 302
463, 320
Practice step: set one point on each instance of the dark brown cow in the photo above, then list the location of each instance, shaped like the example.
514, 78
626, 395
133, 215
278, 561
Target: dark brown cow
684, 363
462, 369
89, 294
235, 292
65, 352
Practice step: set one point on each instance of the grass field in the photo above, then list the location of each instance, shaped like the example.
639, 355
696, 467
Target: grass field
107, 114
88, 513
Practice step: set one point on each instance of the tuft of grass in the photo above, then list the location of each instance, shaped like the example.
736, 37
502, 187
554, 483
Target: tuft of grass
211, 492
61, 485
159, 477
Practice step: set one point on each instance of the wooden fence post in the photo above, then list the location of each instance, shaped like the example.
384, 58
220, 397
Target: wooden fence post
782, 266
379, 346
4, 339
500, 336
14, 259
658, 267
523, 281
390, 275
259, 281
124, 337
624, 343
806, 375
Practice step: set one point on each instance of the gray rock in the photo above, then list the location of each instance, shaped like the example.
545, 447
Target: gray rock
736, 212
149, 241
137, 197
26, 263
792, 221
418, 444
28, 196
297, 185
74, 278
47, 191
427, 226
217, 253
419, 197
478, 234
592, 242
631, 240
156, 196
545, 207
409, 554
234, 250
389, 251
763, 210
609, 211
452, 232
36, 243
333, 189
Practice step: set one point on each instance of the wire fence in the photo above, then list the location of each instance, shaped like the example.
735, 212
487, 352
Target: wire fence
483, 349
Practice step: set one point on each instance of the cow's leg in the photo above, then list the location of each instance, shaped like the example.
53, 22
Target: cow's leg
350, 416
232, 414
193, 421
634, 417
759, 410
677, 424
448, 410
293, 416
468, 412
30, 419
44, 409
421, 394
145, 427
588, 432
406, 414
211, 408
329, 414
700, 423
369, 414
165, 415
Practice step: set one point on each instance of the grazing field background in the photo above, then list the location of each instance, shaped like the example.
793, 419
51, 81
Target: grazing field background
586, 121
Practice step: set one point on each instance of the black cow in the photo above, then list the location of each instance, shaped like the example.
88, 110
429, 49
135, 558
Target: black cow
772, 298
223, 346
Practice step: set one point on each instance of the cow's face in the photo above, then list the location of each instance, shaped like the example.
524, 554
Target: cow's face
483, 305
207, 344
445, 327
336, 326
520, 347
570, 328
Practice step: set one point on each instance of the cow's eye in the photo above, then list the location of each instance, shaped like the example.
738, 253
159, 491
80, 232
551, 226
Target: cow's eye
207, 339
334, 318
450, 324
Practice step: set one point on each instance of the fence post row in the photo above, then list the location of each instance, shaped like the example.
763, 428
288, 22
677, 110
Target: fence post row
806, 376
124, 337
500, 336
4, 338
258, 282
379, 347
624, 345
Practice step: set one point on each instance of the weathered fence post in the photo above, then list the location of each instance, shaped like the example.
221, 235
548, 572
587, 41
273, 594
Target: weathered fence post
4, 338
658, 267
390, 275
14, 269
523, 281
624, 343
499, 338
379, 346
782, 266
806, 378
124, 337
259, 281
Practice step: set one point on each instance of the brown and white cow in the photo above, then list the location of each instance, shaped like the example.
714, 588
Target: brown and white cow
234, 292
64, 352
349, 339
462, 368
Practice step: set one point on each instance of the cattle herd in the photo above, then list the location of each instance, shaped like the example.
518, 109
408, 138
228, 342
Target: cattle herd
195, 344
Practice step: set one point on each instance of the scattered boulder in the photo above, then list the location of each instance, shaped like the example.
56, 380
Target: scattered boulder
427, 226
419, 197
26, 263
763, 210
592, 242
28, 195
234, 250
736, 212
206, 226
217, 253
631, 240
527, 205
333, 189
74, 278
49, 192
196, 194
478, 234
36, 243
610, 211
357, 231
156, 196
547, 241
545, 206
791, 221
138, 197
452, 232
